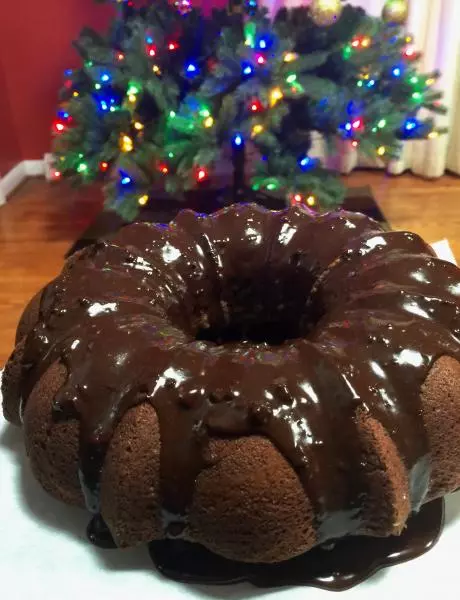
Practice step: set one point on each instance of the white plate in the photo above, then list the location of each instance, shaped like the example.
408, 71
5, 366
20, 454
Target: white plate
44, 554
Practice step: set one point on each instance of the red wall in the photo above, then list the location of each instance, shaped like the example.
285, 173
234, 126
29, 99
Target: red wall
35, 48
10, 152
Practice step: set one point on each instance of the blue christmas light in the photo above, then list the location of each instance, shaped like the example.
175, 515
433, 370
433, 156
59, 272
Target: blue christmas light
247, 69
63, 114
104, 105
371, 83
396, 72
149, 39
410, 124
262, 44
126, 180
68, 72
105, 77
238, 140
191, 70
348, 126
306, 163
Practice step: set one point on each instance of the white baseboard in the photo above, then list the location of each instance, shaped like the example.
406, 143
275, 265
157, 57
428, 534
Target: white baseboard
20, 172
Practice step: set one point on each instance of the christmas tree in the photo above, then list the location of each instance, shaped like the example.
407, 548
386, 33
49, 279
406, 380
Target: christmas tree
170, 100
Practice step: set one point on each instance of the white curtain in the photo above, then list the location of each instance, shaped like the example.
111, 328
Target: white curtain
435, 25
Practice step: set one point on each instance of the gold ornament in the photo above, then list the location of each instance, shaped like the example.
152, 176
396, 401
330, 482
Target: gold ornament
325, 12
395, 11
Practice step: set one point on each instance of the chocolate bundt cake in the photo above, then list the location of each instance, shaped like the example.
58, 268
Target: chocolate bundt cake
258, 382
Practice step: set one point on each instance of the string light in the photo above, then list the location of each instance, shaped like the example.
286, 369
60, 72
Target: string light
172, 114
75, 94
97, 86
382, 123
173, 46
57, 174
347, 52
105, 77
381, 151
357, 124
59, 126
120, 56
163, 168
417, 96
261, 60
396, 72
256, 130
354, 143
204, 112
82, 168
305, 163
209, 122
410, 124
275, 96
142, 201
132, 89
430, 81
262, 44
126, 143
311, 200
256, 106
126, 180
103, 166
271, 187
247, 69
156, 69
201, 174
191, 70
291, 78
152, 51
433, 134
238, 140
297, 198
290, 56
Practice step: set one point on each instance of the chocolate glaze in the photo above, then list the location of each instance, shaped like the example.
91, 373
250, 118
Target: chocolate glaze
247, 322
339, 566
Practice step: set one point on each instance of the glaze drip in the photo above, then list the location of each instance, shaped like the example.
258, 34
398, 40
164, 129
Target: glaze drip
363, 315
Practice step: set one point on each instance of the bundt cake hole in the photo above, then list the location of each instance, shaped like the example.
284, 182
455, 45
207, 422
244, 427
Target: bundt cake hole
272, 307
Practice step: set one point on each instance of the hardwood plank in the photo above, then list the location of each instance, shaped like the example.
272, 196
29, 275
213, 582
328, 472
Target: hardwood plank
41, 220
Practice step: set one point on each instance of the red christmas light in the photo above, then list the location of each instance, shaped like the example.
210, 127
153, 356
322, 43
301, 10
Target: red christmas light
261, 60
201, 174
59, 126
151, 51
57, 174
354, 143
163, 168
103, 166
357, 123
256, 105
120, 56
296, 199
173, 46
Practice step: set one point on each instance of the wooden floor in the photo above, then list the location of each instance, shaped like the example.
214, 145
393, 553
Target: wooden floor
39, 223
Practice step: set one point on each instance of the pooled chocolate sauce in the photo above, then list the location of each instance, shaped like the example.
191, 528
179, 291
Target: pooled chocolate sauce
366, 314
341, 566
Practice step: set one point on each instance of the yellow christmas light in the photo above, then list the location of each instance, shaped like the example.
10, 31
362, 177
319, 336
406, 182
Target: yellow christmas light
381, 151
275, 95
433, 134
126, 143
156, 69
75, 94
132, 98
311, 200
257, 129
138, 125
209, 122
366, 42
430, 81
290, 56
143, 200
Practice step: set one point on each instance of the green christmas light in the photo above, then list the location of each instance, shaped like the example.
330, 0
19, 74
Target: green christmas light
172, 114
250, 34
347, 52
82, 168
381, 124
291, 78
132, 90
